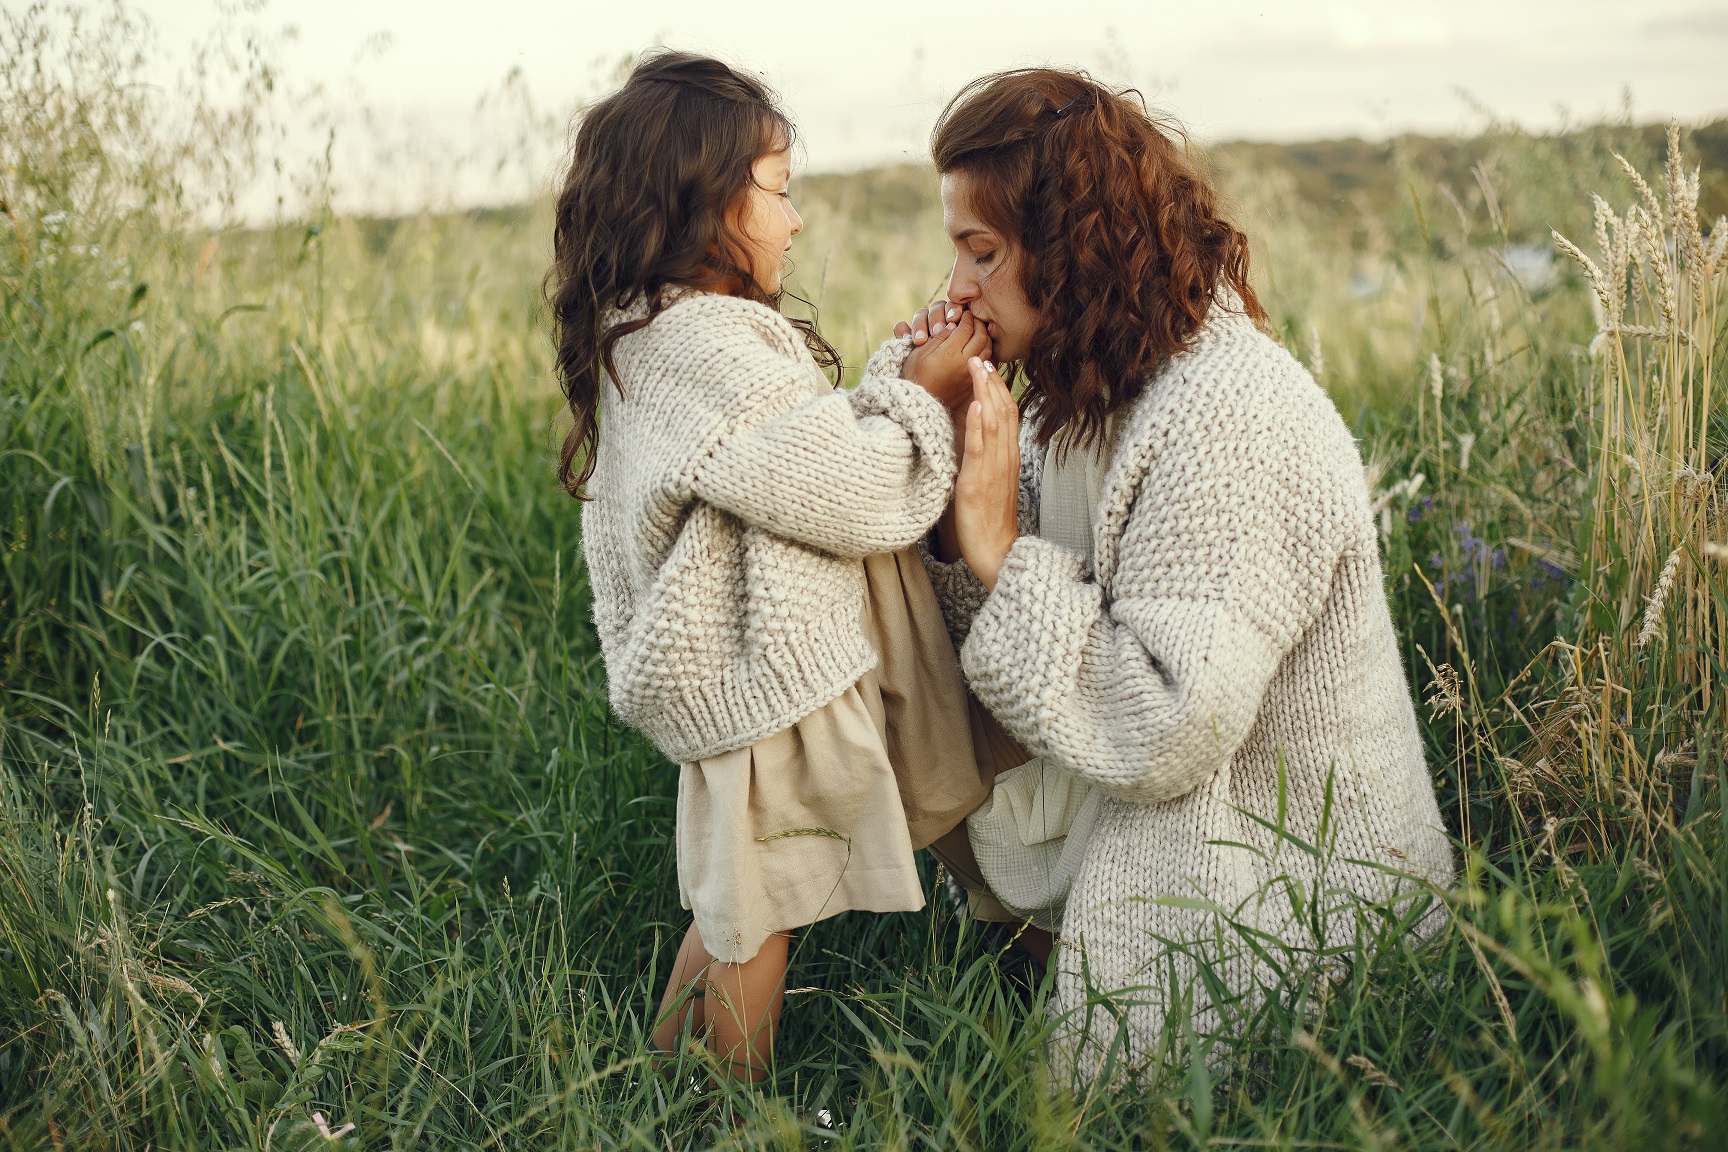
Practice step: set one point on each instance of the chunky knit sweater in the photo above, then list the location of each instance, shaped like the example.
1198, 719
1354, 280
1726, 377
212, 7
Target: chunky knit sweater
1225, 665
734, 491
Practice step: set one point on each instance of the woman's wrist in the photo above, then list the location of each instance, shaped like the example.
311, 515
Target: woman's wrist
945, 538
986, 564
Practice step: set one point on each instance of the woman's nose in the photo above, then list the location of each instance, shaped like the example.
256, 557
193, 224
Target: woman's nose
962, 289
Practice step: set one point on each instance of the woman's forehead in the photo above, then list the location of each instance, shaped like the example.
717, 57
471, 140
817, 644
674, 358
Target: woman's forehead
959, 218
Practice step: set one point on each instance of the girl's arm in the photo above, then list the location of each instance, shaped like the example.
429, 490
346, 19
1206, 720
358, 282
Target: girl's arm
852, 473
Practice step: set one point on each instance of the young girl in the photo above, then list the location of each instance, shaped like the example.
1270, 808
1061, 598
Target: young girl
747, 531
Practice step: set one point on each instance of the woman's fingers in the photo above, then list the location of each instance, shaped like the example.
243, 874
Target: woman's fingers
902, 329
966, 330
1000, 417
989, 411
978, 343
987, 494
975, 431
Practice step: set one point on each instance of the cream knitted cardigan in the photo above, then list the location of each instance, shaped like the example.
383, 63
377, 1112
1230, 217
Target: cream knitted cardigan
1231, 660
734, 491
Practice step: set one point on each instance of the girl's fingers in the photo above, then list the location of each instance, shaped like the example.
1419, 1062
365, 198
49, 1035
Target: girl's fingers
975, 431
902, 329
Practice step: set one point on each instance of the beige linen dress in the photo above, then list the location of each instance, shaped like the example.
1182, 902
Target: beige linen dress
823, 816
1018, 852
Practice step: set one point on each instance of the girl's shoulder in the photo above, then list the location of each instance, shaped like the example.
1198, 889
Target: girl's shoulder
734, 359
707, 321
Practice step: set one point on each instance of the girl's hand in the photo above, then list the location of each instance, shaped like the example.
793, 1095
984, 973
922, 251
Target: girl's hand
987, 494
931, 320
939, 365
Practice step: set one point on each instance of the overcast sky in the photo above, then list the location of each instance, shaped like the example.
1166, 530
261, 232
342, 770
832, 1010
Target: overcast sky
864, 80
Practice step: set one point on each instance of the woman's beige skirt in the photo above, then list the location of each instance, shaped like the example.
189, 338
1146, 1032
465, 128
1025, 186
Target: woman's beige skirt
823, 817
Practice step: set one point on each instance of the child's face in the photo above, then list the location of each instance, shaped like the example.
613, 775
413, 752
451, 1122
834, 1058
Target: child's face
986, 275
768, 220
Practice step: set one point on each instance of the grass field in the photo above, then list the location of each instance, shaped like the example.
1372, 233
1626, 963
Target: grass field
312, 812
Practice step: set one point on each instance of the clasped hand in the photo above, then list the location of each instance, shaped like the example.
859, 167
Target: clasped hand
982, 523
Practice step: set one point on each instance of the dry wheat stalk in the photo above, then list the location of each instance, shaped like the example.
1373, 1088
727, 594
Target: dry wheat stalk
285, 1042
1658, 600
1371, 1074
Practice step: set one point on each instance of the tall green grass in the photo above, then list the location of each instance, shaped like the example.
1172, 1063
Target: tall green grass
311, 806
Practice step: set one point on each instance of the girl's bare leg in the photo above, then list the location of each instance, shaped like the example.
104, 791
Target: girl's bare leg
686, 970
742, 1008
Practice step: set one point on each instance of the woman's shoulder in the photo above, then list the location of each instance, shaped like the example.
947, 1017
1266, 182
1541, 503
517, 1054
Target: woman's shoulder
1236, 377
1237, 400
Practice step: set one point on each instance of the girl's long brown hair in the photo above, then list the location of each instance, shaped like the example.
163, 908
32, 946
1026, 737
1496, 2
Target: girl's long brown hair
658, 168
1121, 243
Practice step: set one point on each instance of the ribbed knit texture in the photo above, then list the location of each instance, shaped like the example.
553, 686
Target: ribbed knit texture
734, 492
1236, 627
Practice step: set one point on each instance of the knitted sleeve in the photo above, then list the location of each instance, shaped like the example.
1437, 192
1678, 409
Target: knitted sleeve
1228, 548
851, 473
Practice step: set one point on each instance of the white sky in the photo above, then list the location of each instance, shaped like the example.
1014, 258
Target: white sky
865, 80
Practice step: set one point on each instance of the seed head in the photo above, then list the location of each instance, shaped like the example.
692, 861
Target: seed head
1658, 600
285, 1042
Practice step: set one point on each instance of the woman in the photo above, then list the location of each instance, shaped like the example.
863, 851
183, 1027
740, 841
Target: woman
1213, 651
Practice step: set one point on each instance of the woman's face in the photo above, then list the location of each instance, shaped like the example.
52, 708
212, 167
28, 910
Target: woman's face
986, 275
767, 221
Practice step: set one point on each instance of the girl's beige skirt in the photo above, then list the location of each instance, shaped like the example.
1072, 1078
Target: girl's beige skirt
823, 817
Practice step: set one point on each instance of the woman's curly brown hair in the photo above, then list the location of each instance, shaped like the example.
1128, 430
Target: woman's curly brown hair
657, 169
1121, 244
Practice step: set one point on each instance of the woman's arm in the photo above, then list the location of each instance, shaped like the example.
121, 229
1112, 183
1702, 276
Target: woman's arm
959, 592
1227, 554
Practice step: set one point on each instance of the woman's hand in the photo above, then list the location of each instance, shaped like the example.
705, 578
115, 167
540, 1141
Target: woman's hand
987, 494
939, 364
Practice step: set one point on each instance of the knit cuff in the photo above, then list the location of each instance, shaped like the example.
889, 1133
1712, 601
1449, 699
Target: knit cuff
890, 358
1034, 598
916, 411
959, 593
